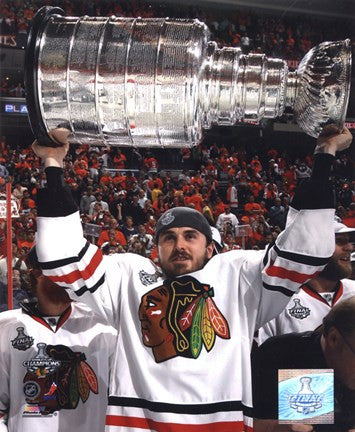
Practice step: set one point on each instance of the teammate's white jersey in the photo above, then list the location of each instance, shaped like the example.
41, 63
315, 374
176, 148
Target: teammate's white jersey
306, 310
54, 372
183, 354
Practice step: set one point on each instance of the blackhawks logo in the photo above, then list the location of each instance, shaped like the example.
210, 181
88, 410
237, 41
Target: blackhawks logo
57, 378
179, 318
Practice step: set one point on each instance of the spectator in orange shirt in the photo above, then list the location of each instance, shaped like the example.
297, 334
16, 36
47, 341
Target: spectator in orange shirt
256, 165
252, 208
150, 163
106, 178
218, 208
119, 179
194, 198
27, 241
80, 168
197, 179
256, 187
110, 234
155, 180
119, 160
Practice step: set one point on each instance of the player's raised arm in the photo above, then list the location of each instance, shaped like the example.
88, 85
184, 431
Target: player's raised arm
305, 246
66, 257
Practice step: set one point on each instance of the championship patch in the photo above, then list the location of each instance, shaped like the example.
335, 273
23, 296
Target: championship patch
180, 317
298, 311
148, 278
22, 342
306, 396
57, 378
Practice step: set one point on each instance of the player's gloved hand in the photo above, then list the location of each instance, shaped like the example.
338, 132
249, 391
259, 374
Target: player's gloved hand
332, 140
53, 156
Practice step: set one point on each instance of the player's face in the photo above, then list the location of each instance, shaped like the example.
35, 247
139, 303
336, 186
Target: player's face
183, 250
152, 315
340, 263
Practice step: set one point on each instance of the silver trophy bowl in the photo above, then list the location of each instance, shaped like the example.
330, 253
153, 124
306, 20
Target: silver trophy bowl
160, 82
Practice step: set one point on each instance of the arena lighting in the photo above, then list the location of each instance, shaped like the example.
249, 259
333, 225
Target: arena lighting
159, 82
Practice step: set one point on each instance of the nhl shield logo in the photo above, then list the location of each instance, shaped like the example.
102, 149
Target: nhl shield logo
167, 218
22, 342
298, 311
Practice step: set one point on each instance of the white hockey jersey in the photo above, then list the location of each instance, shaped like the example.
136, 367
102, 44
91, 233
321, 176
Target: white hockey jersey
305, 311
54, 378
182, 361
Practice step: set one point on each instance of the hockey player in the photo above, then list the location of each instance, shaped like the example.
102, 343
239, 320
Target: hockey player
311, 304
54, 362
185, 328
330, 347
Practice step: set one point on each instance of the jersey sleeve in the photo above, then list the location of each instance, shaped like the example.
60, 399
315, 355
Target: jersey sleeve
303, 249
66, 257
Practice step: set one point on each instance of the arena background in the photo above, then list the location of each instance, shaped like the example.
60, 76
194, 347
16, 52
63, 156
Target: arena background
282, 28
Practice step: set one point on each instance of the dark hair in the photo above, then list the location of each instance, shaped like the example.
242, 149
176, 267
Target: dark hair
342, 317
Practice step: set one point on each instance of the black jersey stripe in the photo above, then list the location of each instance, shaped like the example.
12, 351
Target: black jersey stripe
50, 265
266, 257
196, 409
278, 288
302, 259
84, 288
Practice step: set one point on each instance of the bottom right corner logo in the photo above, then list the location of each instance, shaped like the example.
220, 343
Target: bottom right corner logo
306, 396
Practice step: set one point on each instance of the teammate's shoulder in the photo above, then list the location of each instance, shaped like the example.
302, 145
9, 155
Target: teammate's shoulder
9, 317
348, 285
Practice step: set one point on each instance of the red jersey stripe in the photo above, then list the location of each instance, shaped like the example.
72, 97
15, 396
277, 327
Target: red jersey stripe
339, 293
315, 295
292, 275
80, 274
149, 424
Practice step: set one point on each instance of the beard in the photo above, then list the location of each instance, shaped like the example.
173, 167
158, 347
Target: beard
173, 270
334, 271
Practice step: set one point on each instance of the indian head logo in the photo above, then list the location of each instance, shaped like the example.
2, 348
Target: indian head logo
179, 318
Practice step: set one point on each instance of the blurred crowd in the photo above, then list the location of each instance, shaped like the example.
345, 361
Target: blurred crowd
122, 193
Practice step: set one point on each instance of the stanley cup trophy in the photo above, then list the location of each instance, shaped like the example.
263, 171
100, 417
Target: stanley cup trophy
160, 82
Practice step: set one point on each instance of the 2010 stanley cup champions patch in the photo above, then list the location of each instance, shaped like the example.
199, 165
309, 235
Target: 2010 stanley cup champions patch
57, 378
179, 317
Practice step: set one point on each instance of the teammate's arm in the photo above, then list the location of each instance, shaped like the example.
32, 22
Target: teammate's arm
305, 246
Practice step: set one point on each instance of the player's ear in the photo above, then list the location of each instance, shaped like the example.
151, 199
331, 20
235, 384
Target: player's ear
333, 338
210, 248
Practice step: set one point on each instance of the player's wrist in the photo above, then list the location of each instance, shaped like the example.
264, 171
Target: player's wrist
51, 161
330, 149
